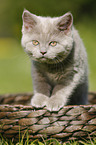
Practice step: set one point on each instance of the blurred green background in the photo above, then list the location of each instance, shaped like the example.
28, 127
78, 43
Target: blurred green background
15, 66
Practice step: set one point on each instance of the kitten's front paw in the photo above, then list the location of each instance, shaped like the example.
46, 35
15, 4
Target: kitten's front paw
39, 100
54, 104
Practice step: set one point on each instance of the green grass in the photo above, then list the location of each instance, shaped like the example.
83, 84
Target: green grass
48, 142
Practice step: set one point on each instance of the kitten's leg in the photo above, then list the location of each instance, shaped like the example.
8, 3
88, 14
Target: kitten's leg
59, 98
41, 89
61, 94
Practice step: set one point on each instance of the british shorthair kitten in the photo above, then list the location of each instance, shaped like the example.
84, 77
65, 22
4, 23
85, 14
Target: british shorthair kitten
59, 61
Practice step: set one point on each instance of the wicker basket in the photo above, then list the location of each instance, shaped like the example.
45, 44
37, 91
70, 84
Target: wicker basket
71, 122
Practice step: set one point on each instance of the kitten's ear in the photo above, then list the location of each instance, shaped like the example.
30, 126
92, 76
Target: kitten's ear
29, 20
65, 22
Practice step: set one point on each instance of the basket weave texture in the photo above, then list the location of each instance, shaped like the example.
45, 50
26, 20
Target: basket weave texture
71, 122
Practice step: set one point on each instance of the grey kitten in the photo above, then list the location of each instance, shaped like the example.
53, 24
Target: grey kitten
59, 61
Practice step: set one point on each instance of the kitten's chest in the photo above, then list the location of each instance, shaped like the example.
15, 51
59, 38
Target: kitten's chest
57, 76
53, 78
52, 74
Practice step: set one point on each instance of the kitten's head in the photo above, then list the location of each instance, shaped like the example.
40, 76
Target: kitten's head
47, 39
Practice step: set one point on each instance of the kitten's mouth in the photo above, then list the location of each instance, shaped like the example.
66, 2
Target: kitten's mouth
43, 58
46, 60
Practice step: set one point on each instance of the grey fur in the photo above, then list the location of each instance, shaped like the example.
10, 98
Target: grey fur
60, 76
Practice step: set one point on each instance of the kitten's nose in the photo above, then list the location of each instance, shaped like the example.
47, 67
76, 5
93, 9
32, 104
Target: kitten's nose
43, 52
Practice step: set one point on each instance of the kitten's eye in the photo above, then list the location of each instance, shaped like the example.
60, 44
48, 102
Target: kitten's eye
35, 42
53, 43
